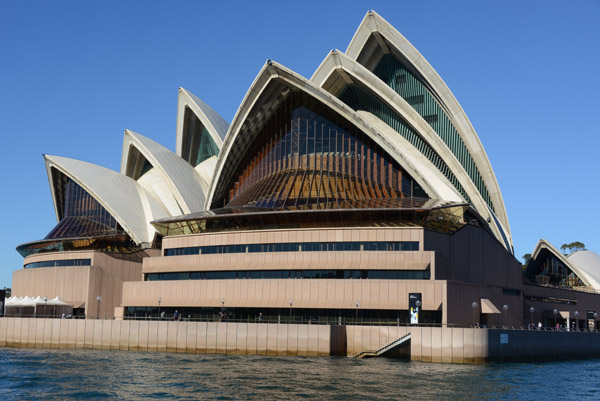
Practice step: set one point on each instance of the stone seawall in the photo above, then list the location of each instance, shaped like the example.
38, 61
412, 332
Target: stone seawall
533, 345
443, 345
167, 336
427, 344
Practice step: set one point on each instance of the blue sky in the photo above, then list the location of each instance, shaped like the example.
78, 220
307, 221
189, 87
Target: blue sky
75, 75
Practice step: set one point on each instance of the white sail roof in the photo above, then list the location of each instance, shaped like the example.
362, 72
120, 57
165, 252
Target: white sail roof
120, 195
210, 119
177, 186
376, 37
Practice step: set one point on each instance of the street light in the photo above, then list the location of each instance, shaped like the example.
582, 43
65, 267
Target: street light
159, 299
474, 305
291, 302
531, 310
98, 299
45, 306
357, 304
576, 320
505, 307
555, 311
418, 304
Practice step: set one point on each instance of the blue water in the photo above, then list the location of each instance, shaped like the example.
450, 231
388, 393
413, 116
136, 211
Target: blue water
27, 374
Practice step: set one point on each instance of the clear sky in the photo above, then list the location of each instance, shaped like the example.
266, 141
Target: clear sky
74, 75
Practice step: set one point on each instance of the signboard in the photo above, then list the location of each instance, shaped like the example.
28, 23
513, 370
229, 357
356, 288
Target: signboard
591, 319
2, 297
414, 306
503, 338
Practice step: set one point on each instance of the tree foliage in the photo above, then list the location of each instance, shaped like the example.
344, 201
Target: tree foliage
526, 260
572, 247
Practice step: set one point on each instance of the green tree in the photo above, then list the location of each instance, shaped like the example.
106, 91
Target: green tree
526, 260
572, 247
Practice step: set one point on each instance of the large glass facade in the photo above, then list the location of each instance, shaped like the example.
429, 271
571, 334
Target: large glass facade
305, 157
293, 274
360, 98
397, 212
296, 247
84, 224
147, 166
286, 315
547, 269
59, 263
82, 215
398, 77
198, 145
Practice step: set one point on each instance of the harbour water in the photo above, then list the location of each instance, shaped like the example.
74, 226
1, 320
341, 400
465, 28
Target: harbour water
41, 374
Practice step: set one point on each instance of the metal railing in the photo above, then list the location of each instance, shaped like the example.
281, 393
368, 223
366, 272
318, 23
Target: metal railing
312, 320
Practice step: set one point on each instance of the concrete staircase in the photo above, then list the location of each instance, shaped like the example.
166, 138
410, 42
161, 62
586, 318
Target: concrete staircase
387, 349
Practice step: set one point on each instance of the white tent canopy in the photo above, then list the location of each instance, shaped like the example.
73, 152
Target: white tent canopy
28, 301
38, 306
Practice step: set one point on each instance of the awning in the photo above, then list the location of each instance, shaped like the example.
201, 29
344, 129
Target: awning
487, 306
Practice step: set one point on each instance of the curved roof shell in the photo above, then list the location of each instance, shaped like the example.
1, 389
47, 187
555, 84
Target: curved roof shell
376, 37
211, 120
120, 195
338, 71
275, 81
177, 185
585, 264
588, 262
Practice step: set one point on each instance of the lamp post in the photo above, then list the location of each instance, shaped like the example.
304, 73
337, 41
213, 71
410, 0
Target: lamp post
474, 305
555, 311
505, 307
45, 306
357, 304
531, 310
577, 320
159, 299
291, 303
98, 299
418, 304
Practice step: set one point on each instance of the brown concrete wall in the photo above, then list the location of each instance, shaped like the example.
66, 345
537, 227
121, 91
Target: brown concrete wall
534, 345
276, 293
393, 260
472, 255
297, 235
185, 337
566, 301
70, 283
80, 285
427, 344
412, 260
107, 275
462, 295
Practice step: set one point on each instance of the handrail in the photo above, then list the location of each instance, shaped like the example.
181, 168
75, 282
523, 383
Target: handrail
385, 348
329, 322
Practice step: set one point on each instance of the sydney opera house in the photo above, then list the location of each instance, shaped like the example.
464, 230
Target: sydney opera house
361, 193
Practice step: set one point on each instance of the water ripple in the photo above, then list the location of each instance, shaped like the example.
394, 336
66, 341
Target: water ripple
33, 374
